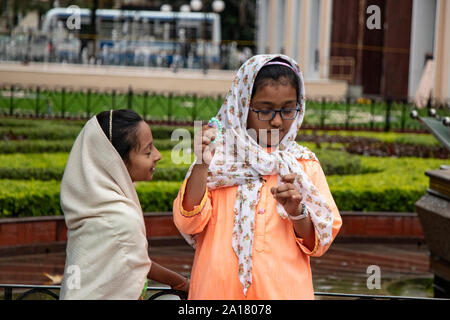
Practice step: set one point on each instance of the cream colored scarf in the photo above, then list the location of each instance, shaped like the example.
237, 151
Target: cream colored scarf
107, 248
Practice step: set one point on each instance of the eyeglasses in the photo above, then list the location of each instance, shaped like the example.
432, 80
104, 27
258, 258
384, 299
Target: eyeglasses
269, 115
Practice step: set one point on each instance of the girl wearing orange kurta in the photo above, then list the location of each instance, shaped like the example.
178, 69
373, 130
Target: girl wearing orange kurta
255, 204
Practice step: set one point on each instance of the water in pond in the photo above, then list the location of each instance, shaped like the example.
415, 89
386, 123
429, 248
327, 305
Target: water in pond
404, 268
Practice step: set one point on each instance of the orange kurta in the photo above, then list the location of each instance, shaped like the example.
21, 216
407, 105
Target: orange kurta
281, 268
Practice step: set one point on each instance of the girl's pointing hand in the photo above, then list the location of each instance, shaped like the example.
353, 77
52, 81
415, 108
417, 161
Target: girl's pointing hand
287, 194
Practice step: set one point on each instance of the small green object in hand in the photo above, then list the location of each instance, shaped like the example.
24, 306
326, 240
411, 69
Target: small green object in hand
211, 123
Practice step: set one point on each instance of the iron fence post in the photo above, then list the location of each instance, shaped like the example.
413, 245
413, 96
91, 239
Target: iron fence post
194, 107
113, 99
130, 98
169, 107
429, 103
11, 101
403, 115
88, 103
37, 101
322, 113
387, 125
152, 103
347, 111
372, 115
8, 294
145, 104
63, 107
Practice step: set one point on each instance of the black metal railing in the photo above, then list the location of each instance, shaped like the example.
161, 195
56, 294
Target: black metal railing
321, 112
332, 295
46, 290
49, 291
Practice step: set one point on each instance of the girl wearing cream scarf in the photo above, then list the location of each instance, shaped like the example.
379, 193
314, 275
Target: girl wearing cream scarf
107, 248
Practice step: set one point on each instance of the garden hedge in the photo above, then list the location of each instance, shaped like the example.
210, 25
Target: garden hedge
50, 166
394, 185
35, 146
35, 198
424, 139
20, 198
42, 146
40, 133
45, 174
61, 132
358, 183
39, 123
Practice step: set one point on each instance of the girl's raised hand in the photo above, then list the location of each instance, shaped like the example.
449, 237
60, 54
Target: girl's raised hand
287, 194
203, 148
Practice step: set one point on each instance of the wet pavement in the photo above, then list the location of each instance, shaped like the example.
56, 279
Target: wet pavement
404, 268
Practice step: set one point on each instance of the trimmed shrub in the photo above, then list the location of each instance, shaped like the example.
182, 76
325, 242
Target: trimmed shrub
378, 199
29, 198
341, 163
42, 174
33, 160
48, 166
35, 146
157, 195
170, 174
398, 185
43, 146
45, 174
41, 123
41, 198
168, 144
425, 139
40, 133
401, 183
165, 132
35, 198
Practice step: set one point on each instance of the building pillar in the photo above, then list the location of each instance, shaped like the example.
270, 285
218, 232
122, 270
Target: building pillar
313, 45
303, 37
293, 28
442, 49
325, 38
262, 27
314, 36
289, 26
300, 29
422, 41
272, 25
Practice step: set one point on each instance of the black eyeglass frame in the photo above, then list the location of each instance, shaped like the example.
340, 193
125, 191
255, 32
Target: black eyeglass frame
274, 112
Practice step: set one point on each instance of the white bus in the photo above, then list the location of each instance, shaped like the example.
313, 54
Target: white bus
141, 37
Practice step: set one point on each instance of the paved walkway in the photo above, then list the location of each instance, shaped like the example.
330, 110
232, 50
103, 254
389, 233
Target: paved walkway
184, 81
342, 269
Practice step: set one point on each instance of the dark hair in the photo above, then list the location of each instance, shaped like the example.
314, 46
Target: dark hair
275, 72
125, 125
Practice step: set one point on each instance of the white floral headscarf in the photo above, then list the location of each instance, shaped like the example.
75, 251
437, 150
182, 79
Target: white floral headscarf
240, 161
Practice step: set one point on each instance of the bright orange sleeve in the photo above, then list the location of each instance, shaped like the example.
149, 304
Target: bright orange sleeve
194, 221
314, 171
